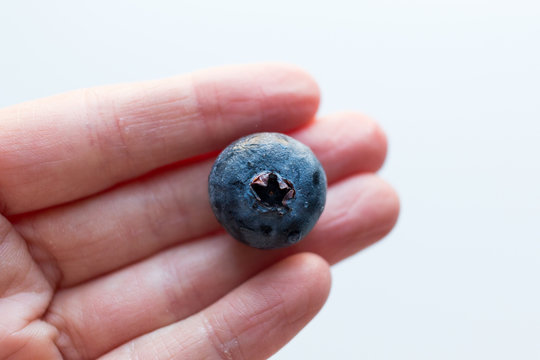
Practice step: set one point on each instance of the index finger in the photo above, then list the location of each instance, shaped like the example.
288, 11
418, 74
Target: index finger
69, 146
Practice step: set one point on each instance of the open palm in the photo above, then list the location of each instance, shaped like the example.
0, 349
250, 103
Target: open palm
108, 246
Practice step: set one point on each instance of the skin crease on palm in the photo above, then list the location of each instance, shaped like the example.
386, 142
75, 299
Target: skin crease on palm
109, 248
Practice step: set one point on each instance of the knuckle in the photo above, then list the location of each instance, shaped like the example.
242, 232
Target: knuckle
67, 341
222, 339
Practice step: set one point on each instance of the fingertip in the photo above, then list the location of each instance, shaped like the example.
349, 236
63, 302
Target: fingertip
367, 132
306, 84
280, 86
382, 204
360, 210
310, 268
380, 143
312, 274
292, 87
390, 200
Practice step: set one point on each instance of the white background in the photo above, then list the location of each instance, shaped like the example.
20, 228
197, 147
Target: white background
456, 85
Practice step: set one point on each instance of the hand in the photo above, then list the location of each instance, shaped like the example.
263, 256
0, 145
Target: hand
108, 245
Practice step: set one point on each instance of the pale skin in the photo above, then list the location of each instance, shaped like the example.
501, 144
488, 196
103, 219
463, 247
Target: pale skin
109, 248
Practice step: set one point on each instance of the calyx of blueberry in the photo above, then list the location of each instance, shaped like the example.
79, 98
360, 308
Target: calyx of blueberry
272, 190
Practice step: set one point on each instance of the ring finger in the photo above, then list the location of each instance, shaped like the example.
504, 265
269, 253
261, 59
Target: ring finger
186, 278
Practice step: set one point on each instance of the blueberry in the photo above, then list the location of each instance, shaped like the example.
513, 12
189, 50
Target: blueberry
267, 190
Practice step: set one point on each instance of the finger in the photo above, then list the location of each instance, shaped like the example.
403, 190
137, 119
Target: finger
346, 143
69, 146
183, 280
252, 322
82, 240
24, 296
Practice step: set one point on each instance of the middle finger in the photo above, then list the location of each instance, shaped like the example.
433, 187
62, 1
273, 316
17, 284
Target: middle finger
78, 241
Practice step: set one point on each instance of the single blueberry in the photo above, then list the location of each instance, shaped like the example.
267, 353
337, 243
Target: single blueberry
267, 190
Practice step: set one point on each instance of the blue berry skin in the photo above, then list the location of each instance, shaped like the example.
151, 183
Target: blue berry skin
267, 190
